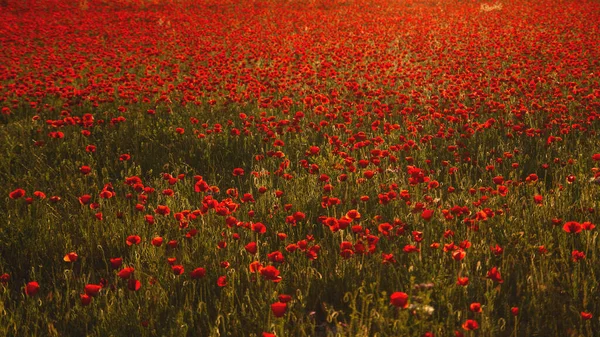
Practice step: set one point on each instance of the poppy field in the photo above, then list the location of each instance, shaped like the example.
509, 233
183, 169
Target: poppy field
299, 168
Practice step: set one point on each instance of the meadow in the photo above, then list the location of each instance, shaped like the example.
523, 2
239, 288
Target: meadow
299, 168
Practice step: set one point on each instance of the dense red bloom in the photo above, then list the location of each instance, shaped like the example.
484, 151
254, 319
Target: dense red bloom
283, 298
238, 172
222, 281
85, 169
313, 150
85, 299
198, 273
279, 309
32, 288
85, 199
497, 250
458, 254
116, 262
177, 269
162, 210
157, 241
475, 307
125, 273
270, 273
255, 266
133, 240
70, 257
462, 281
133, 284
4, 278
92, 289
259, 227
470, 324
572, 227
16, 194
577, 255
588, 226
251, 248
494, 275
399, 299
427, 214
514, 311
538, 199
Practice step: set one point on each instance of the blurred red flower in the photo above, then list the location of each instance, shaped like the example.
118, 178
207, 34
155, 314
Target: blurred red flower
16, 194
92, 289
32, 288
399, 299
470, 324
198, 273
279, 309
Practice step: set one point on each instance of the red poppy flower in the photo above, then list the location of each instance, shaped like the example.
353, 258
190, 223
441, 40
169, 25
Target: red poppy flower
588, 226
514, 311
251, 248
70, 257
475, 307
270, 273
586, 315
85, 299
259, 227
157, 241
255, 266
577, 255
222, 281
133, 284
162, 210
458, 254
313, 150
4, 278
198, 273
497, 250
105, 194
279, 309
470, 324
116, 262
125, 273
462, 281
32, 288
283, 298
572, 227
16, 194
177, 269
238, 172
133, 240
399, 299
427, 214
85, 170
39, 195
494, 275
92, 289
